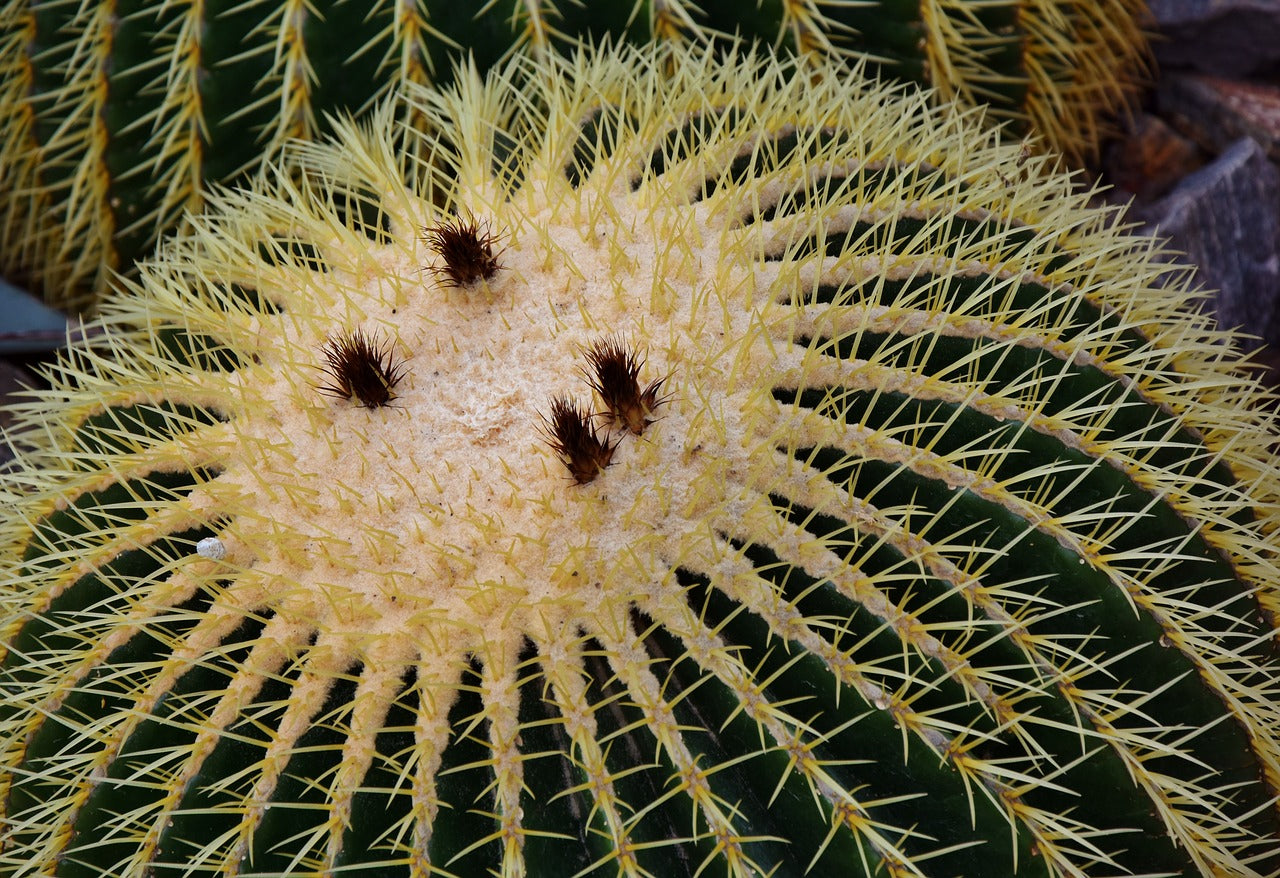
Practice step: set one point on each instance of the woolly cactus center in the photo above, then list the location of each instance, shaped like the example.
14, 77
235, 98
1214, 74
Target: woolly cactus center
448, 501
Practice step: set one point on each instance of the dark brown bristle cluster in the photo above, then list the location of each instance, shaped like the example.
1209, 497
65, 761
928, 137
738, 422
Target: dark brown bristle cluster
466, 249
571, 435
615, 376
361, 369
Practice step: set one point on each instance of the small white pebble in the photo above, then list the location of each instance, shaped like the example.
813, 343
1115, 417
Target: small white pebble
211, 548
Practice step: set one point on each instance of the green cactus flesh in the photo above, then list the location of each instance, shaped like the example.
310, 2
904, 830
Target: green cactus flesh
118, 115
942, 543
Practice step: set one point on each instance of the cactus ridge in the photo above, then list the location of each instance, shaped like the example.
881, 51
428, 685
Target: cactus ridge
118, 115
950, 550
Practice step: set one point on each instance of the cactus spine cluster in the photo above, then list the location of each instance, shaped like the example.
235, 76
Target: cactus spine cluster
944, 545
118, 116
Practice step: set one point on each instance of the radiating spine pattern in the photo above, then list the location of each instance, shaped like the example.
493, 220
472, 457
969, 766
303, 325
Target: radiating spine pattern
649, 464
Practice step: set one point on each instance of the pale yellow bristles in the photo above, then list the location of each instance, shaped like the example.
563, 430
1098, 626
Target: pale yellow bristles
432, 556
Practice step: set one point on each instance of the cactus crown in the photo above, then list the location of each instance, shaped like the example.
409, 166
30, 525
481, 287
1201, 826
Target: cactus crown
922, 533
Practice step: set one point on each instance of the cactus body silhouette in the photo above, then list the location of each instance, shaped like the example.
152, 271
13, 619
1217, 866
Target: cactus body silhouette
650, 465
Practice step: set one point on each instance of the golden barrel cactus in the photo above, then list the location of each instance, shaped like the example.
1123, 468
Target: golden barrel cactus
117, 115
650, 465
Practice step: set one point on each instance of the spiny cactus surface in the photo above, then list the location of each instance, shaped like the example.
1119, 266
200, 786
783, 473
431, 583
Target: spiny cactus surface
117, 115
651, 465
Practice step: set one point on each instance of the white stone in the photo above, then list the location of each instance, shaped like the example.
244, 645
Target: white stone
211, 548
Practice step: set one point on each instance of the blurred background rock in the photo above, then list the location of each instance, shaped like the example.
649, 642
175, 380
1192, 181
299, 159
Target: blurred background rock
1200, 162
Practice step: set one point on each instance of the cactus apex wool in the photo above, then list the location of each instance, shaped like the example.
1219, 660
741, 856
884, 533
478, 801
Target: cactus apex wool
805, 486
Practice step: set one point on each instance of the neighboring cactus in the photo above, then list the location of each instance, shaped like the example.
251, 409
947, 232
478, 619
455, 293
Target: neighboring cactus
115, 117
918, 529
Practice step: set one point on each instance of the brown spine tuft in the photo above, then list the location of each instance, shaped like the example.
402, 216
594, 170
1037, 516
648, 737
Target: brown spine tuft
570, 434
466, 247
615, 377
361, 369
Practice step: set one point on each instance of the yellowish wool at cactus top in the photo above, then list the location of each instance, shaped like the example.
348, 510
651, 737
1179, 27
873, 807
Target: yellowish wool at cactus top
445, 516
946, 520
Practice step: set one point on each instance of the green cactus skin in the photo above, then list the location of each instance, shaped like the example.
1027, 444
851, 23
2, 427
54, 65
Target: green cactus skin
119, 113
949, 548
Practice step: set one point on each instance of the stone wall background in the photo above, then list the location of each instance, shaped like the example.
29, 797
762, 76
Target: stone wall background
1200, 160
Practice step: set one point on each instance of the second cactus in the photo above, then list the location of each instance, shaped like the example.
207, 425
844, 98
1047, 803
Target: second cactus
118, 115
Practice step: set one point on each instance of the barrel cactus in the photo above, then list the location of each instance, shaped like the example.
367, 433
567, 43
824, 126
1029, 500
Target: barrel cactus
116, 117
652, 464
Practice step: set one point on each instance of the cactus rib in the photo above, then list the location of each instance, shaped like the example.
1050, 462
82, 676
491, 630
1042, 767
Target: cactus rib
950, 549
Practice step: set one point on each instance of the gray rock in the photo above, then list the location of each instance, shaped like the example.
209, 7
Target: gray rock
26, 324
1225, 218
1215, 112
1224, 37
